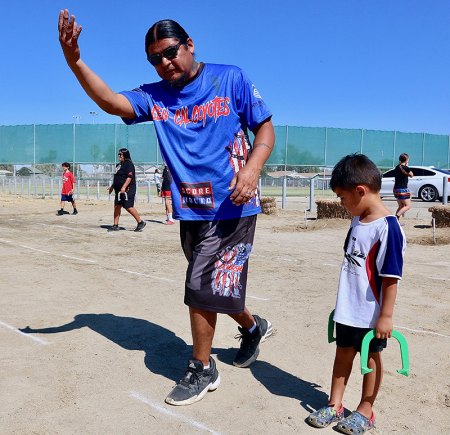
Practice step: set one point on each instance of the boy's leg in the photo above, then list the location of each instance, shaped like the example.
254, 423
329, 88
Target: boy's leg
342, 369
371, 384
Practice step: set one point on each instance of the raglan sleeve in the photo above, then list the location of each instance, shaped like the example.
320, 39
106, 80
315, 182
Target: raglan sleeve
392, 249
140, 101
250, 105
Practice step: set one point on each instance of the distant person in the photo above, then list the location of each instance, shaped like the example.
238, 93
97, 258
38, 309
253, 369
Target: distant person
157, 180
373, 263
202, 114
402, 194
124, 186
67, 190
166, 194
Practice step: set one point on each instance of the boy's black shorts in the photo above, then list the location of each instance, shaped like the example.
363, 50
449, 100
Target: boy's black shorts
351, 336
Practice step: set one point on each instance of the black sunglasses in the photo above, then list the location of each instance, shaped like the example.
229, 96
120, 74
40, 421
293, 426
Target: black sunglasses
169, 53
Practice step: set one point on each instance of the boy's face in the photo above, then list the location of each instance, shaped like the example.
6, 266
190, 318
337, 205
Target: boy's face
65, 168
351, 199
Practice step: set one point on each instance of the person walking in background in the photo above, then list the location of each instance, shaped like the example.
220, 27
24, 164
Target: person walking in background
201, 113
401, 192
67, 190
157, 180
166, 194
124, 186
373, 263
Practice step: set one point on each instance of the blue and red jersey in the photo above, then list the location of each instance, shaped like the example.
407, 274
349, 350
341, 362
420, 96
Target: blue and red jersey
202, 131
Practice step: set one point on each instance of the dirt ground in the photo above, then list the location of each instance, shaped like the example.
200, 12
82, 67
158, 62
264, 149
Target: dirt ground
109, 334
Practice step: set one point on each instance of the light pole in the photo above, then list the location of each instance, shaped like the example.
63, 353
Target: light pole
93, 114
76, 120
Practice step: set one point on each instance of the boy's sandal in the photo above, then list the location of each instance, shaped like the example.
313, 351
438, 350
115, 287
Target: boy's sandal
324, 416
356, 424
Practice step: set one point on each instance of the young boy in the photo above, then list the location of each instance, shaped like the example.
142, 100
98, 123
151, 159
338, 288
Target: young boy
373, 262
68, 188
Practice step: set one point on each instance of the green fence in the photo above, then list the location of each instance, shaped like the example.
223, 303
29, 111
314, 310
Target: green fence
295, 146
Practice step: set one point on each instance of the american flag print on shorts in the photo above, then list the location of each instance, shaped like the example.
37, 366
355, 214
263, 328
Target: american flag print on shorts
228, 269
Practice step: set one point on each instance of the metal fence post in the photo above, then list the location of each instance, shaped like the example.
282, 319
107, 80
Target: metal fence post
98, 189
148, 192
283, 198
312, 202
445, 190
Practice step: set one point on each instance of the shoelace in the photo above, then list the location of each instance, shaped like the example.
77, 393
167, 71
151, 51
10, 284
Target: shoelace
190, 377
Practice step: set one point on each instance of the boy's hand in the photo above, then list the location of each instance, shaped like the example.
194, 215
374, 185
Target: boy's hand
384, 327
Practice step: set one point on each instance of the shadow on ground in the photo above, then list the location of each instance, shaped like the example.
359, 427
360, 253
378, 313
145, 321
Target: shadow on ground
167, 355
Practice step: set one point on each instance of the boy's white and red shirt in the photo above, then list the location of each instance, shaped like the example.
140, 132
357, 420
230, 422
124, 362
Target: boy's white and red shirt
372, 251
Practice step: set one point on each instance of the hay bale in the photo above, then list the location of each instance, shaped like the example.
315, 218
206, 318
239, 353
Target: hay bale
441, 215
268, 205
331, 209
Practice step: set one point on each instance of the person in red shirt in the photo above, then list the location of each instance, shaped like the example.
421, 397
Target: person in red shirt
68, 188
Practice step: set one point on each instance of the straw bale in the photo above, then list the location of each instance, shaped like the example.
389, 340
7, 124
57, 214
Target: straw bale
331, 209
268, 205
441, 215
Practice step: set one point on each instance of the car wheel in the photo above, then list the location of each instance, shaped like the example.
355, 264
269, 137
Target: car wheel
428, 193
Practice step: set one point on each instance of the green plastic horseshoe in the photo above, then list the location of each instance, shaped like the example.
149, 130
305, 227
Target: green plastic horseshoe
365, 347
403, 351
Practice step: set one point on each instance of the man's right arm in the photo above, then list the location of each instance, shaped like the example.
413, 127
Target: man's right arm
94, 86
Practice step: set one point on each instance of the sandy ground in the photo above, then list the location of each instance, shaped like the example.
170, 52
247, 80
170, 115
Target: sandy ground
111, 333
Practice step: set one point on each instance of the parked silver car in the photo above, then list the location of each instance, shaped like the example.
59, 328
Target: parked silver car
427, 183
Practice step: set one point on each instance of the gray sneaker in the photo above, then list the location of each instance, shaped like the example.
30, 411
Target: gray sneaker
195, 383
249, 349
140, 226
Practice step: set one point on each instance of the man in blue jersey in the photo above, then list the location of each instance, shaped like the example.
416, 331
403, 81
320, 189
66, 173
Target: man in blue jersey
202, 114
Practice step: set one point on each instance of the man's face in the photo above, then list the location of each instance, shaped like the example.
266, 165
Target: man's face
178, 69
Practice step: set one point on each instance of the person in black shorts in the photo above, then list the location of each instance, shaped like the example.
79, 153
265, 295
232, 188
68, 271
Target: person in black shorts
166, 194
124, 186
202, 114
401, 192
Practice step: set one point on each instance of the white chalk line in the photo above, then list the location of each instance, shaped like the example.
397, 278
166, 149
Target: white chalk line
331, 264
86, 261
146, 275
258, 298
421, 331
441, 279
31, 337
140, 397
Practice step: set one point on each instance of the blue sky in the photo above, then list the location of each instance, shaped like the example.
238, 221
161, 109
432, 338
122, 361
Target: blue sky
375, 64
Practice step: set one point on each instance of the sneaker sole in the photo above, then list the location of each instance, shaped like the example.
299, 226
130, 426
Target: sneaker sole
268, 333
209, 387
250, 361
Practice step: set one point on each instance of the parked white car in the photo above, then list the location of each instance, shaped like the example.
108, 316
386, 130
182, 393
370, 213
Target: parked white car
427, 183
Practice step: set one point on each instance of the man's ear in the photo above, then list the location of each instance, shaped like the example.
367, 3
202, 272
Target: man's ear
191, 46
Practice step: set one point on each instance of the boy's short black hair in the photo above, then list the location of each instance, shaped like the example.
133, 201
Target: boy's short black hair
353, 170
66, 165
